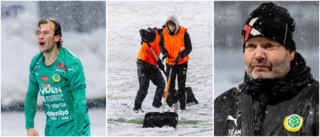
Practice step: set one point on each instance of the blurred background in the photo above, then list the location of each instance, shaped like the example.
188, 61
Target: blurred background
83, 32
229, 18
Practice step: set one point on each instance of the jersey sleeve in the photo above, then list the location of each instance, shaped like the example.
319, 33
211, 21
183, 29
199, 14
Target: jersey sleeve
76, 78
77, 86
80, 110
30, 105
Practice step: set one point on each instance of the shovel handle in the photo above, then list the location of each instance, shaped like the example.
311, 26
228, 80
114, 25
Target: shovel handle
168, 84
167, 89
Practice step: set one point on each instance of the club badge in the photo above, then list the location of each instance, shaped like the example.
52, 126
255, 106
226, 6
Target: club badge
293, 122
56, 77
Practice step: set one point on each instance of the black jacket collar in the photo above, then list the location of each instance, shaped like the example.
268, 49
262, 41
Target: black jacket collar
270, 91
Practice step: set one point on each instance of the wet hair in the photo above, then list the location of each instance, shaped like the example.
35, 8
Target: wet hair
57, 28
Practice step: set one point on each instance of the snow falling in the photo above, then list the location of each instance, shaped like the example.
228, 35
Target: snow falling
86, 39
124, 21
229, 65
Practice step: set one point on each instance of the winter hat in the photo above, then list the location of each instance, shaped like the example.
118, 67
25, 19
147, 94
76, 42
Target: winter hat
174, 19
270, 21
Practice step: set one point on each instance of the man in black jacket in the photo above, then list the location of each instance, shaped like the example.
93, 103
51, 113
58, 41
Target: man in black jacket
279, 95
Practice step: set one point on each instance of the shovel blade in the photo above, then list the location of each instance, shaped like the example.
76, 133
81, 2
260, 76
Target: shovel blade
157, 119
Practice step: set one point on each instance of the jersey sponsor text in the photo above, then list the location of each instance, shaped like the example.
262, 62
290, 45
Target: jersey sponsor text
58, 113
50, 90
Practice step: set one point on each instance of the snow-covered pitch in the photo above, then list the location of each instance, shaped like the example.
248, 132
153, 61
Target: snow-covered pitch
124, 19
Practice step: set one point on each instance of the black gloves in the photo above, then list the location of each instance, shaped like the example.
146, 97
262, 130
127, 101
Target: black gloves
177, 60
164, 56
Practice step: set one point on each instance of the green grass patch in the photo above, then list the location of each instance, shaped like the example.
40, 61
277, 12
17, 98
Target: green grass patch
122, 120
191, 122
110, 97
140, 121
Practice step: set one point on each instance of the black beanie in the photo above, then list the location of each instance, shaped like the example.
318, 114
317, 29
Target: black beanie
270, 21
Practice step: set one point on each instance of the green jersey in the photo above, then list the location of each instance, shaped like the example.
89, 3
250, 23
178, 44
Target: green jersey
62, 90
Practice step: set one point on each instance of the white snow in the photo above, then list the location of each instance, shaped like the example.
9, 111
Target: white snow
124, 20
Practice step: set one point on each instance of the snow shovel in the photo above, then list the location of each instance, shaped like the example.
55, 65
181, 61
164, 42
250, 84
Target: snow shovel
159, 61
157, 119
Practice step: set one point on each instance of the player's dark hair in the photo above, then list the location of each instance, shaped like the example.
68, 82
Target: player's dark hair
57, 28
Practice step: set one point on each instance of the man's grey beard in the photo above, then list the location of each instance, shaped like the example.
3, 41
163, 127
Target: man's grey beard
279, 71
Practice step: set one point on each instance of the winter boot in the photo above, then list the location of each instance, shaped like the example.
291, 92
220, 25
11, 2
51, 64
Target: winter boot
140, 110
182, 114
175, 107
159, 108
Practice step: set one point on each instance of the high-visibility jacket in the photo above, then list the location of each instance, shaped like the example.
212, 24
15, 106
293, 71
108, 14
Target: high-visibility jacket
174, 45
145, 52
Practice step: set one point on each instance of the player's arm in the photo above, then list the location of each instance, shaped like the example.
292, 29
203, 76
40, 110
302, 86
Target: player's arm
80, 110
187, 44
162, 47
77, 86
30, 106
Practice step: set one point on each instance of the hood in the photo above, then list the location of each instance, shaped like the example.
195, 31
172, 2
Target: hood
174, 19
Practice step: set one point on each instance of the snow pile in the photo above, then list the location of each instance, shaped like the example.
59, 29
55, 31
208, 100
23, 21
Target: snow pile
124, 20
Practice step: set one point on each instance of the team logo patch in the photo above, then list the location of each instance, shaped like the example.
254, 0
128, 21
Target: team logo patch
233, 119
293, 122
249, 30
44, 78
62, 65
56, 77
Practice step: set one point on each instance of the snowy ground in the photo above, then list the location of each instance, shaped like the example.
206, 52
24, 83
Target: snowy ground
13, 123
124, 20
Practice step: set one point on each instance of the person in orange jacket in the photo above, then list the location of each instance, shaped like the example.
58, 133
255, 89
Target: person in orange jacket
175, 45
148, 70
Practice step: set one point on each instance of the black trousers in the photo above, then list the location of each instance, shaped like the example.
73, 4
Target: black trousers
147, 72
180, 72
